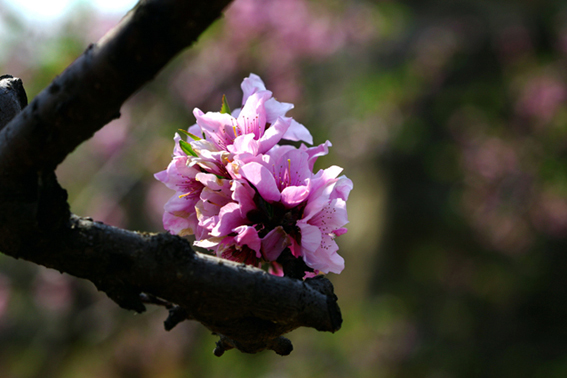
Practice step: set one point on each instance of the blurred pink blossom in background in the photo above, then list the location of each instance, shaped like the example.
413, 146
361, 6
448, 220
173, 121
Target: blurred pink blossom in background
276, 37
540, 99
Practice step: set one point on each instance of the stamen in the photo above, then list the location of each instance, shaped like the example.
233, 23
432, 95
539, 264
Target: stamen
187, 194
289, 171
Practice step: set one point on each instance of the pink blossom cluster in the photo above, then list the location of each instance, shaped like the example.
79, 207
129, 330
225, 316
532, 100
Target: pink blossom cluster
248, 198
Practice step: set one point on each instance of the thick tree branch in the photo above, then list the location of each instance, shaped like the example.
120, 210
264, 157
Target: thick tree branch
247, 307
240, 302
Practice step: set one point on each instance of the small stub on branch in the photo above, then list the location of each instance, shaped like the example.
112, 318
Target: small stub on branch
12, 98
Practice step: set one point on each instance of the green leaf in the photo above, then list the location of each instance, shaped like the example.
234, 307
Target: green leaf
225, 109
186, 147
192, 136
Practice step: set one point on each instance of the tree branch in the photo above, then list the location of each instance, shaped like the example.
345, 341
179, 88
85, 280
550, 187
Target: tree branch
248, 308
242, 303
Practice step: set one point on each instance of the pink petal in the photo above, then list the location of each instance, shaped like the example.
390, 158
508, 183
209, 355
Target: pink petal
201, 232
177, 151
311, 274
274, 243
310, 237
322, 186
217, 198
247, 235
291, 168
209, 157
243, 193
181, 207
207, 219
342, 188
229, 219
161, 176
275, 153
276, 109
315, 152
179, 177
298, 166
331, 217
251, 85
240, 159
179, 216
325, 258
245, 144
208, 208
316, 203
236, 112
273, 134
252, 117
195, 130
294, 195
178, 225
295, 248
262, 179
297, 132
218, 127
212, 181
340, 231
330, 173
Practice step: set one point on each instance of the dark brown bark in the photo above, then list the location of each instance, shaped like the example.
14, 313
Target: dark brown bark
247, 307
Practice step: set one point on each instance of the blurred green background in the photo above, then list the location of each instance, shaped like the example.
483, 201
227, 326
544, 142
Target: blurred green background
449, 116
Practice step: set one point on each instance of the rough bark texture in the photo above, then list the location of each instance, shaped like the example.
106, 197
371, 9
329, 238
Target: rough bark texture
246, 307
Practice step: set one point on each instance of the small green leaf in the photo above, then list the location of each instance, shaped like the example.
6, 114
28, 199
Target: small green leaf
186, 147
192, 136
225, 109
